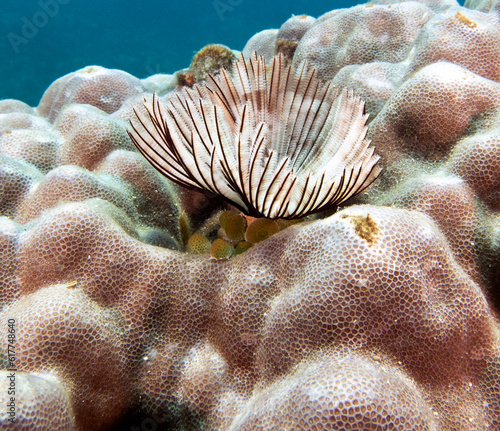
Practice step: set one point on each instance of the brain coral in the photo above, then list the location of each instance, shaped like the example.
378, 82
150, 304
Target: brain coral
383, 315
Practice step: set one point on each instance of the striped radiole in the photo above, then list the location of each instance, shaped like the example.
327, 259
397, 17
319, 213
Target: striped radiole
273, 141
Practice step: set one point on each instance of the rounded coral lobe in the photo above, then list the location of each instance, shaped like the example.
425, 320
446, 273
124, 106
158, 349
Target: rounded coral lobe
275, 142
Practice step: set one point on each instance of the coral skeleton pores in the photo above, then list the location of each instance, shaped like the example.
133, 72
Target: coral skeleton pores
275, 142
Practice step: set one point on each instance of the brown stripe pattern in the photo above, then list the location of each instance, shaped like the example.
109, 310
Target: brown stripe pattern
275, 142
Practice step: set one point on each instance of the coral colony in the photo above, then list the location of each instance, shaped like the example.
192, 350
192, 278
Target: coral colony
130, 302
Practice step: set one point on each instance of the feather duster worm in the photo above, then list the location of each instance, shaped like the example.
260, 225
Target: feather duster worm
275, 142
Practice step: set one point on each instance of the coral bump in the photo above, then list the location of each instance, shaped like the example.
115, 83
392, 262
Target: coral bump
275, 142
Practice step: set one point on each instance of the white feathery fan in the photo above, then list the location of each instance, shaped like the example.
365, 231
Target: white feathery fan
275, 142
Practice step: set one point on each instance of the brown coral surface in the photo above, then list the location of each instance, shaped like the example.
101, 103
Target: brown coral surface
380, 316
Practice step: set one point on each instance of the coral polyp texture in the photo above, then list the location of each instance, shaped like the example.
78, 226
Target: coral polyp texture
130, 302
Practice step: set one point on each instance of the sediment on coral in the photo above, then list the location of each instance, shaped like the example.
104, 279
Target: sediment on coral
290, 33
383, 315
208, 61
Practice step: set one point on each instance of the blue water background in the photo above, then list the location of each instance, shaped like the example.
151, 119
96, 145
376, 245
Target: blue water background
41, 40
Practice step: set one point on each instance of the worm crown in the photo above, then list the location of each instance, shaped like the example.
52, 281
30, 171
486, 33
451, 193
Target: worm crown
275, 142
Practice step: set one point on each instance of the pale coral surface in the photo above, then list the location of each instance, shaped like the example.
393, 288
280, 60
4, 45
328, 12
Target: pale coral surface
381, 316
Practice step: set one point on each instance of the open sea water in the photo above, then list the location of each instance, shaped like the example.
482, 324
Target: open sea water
41, 40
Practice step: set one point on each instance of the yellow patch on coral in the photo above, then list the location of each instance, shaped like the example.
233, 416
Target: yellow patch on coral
365, 227
91, 69
463, 19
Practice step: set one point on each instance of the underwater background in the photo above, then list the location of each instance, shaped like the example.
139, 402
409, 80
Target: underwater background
45, 39
382, 315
